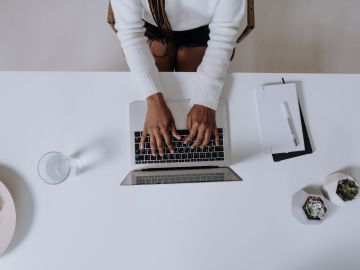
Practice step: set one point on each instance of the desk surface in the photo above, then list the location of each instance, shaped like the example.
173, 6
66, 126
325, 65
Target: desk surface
90, 222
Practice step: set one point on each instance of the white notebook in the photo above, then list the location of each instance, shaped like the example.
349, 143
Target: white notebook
279, 118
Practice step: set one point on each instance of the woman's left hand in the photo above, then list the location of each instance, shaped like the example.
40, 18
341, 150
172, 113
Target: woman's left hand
201, 123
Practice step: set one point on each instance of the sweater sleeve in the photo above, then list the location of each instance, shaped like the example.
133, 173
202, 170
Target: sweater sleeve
224, 31
131, 33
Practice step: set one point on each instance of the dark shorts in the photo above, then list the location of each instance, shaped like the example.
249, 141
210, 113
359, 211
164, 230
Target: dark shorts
188, 38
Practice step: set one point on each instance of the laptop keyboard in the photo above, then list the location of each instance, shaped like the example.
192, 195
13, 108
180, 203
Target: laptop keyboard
180, 178
183, 152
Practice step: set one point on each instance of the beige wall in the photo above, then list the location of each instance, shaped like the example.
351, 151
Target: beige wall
290, 36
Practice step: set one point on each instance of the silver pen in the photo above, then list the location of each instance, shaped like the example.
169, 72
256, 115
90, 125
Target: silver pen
287, 116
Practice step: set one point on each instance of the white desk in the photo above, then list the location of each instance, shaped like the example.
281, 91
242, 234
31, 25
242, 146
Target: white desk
90, 222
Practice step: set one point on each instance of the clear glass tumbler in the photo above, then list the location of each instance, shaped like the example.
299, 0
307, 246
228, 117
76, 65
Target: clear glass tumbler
55, 167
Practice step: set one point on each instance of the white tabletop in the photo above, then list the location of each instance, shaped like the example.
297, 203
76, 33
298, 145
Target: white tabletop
91, 222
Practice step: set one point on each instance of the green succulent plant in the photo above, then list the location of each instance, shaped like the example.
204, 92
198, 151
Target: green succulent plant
314, 208
347, 189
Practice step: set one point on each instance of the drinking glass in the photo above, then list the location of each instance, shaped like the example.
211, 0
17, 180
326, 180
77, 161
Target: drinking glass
55, 167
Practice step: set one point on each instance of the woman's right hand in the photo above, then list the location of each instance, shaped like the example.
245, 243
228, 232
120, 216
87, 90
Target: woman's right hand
159, 121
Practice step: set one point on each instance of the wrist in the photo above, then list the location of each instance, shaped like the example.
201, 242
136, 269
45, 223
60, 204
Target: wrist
155, 100
203, 107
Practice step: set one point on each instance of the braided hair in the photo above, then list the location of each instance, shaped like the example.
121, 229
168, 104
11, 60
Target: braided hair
157, 8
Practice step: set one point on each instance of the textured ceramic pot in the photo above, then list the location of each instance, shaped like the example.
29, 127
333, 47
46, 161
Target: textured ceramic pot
309, 206
332, 191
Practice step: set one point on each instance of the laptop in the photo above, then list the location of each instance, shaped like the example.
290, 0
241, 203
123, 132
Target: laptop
186, 165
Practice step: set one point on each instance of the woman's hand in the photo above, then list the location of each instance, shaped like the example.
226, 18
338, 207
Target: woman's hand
159, 121
201, 123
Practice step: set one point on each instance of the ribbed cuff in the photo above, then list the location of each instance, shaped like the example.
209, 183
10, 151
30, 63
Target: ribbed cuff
148, 81
207, 94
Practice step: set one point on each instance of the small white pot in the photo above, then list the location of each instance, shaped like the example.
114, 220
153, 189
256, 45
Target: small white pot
330, 185
298, 201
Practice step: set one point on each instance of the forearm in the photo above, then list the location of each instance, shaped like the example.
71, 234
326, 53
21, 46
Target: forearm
131, 34
224, 31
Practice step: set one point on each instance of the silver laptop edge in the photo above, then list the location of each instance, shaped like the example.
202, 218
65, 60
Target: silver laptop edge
177, 176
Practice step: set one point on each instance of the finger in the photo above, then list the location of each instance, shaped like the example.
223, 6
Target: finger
166, 136
188, 123
207, 138
159, 143
216, 134
174, 131
193, 132
200, 137
152, 143
143, 138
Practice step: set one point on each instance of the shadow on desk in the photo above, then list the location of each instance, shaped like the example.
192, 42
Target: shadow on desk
24, 204
98, 151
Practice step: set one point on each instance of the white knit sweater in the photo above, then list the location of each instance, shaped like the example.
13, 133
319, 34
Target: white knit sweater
224, 20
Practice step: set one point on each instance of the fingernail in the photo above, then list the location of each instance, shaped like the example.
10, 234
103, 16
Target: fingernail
172, 151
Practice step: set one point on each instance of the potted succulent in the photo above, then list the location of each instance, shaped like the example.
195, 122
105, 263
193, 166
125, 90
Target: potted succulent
340, 188
314, 208
309, 206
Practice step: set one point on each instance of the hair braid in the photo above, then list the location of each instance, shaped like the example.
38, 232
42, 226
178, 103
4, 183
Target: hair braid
157, 8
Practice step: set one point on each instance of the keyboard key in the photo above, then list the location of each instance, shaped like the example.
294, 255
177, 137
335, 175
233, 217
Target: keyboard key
183, 132
178, 144
219, 148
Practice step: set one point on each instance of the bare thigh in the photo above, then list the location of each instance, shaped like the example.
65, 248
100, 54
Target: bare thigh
189, 58
161, 55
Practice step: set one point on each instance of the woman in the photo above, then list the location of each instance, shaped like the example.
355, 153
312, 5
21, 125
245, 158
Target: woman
191, 35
